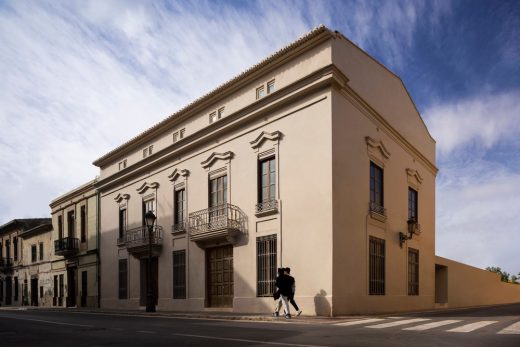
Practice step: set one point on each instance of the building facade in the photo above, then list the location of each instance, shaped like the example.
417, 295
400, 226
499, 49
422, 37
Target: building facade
22, 280
316, 158
76, 267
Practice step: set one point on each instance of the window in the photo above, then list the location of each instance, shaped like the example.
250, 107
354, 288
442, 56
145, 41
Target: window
181, 133
33, 253
41, 250
16, 289
267, 180
122, 222
377, 266
41, 292
412, 205
413, 271
61, 286
180, 212
260, 92
148, 205
83, 223
220, 113
7, 249
70, 224
147, 151
15, 248
55, 294
212, 117
218, 191
84, 288
60, 227
270, 87
179, 274
376, 188
122, 164
265, 265
123, 279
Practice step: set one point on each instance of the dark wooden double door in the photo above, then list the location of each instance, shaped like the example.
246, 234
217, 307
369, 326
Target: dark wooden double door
154, 280
219, 270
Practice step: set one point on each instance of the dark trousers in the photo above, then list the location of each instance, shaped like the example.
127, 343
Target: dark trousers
291, 300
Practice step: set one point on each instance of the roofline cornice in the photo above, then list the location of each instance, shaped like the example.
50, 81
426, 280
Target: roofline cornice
81, 190
304, 43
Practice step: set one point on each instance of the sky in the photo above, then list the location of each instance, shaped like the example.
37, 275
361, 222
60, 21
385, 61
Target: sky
79, 78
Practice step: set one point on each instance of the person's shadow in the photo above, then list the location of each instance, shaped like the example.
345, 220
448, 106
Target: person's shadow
321, 304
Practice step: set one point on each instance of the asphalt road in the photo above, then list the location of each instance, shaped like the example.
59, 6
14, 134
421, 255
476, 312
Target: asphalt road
491, 326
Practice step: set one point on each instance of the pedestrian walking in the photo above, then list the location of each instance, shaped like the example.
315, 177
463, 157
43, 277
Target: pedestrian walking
293, 291
284, 284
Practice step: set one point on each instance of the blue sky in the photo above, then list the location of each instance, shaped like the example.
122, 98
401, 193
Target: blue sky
81, 77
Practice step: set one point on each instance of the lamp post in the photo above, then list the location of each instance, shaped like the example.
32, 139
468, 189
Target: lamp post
413, 229
149, 218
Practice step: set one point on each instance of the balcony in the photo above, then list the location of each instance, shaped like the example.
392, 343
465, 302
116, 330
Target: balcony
266, 208
179, 228
138, 239
6, 265
66, 246
222, 223
377, 211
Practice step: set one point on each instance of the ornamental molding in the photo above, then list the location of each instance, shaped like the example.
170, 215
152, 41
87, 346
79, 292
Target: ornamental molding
217, 156
264, 135
378, 146
413, 175
146, 186
176, 173
120, 197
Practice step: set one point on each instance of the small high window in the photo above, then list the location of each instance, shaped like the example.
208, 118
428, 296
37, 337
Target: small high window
270, 87
260, 92
122, 164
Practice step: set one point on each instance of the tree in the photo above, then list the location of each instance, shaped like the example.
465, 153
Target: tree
504, 276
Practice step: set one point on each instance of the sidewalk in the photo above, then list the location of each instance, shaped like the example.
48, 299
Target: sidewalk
217, 315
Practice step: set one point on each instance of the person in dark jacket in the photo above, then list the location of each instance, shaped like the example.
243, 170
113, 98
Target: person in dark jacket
287, 272
284, 284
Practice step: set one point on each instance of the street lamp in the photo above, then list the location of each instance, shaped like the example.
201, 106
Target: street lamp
413, 229
149, 218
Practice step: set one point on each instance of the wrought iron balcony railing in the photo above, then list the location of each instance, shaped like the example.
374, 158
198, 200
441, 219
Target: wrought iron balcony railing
66, 245
266, 207
376, 208
6, 264
137, 239
178, 228
221, 221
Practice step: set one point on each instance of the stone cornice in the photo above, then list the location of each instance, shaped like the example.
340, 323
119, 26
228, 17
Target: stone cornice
176, 173
84, 191
120, 197
216, 156
414, 174
378, 145
145, 186
264, 135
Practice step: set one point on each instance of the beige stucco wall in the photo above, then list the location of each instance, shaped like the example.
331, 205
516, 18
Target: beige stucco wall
469, 286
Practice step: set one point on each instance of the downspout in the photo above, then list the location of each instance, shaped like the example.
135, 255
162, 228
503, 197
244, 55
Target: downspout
98, 263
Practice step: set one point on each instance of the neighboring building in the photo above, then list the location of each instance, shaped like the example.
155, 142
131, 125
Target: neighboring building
316, 158
75, 270
13, 277
36, 272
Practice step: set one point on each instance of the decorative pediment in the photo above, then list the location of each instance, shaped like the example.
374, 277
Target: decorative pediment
176, 173
378, 146
216, 156
146, 186
414, 178
120, 197
264, 135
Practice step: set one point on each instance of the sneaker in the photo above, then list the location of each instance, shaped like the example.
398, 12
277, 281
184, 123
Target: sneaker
287, 316
299, 313
276, 314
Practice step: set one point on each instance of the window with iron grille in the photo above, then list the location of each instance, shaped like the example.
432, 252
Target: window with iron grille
376, 186
122, 222
179, 274
413, 271
265, 265
83, 223
377, 266
33, 253
179, 213
267, 180
123, 279
413, 213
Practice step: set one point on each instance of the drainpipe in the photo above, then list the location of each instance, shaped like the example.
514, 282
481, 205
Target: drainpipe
98, 263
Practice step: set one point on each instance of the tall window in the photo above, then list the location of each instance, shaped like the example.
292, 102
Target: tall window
55, 292
122, 222
33, 253
61, 291
413, 271
267, 186
412, 205
180, 212
16, 289
41, 250
8, 249
218, 191
179, 274
123, 279
83, 223
265, 265
376, 188
148, 205
60, 227
377, 266
70, 224
15, 248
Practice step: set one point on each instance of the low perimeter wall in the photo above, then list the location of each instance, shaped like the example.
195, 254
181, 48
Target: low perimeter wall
461, 285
